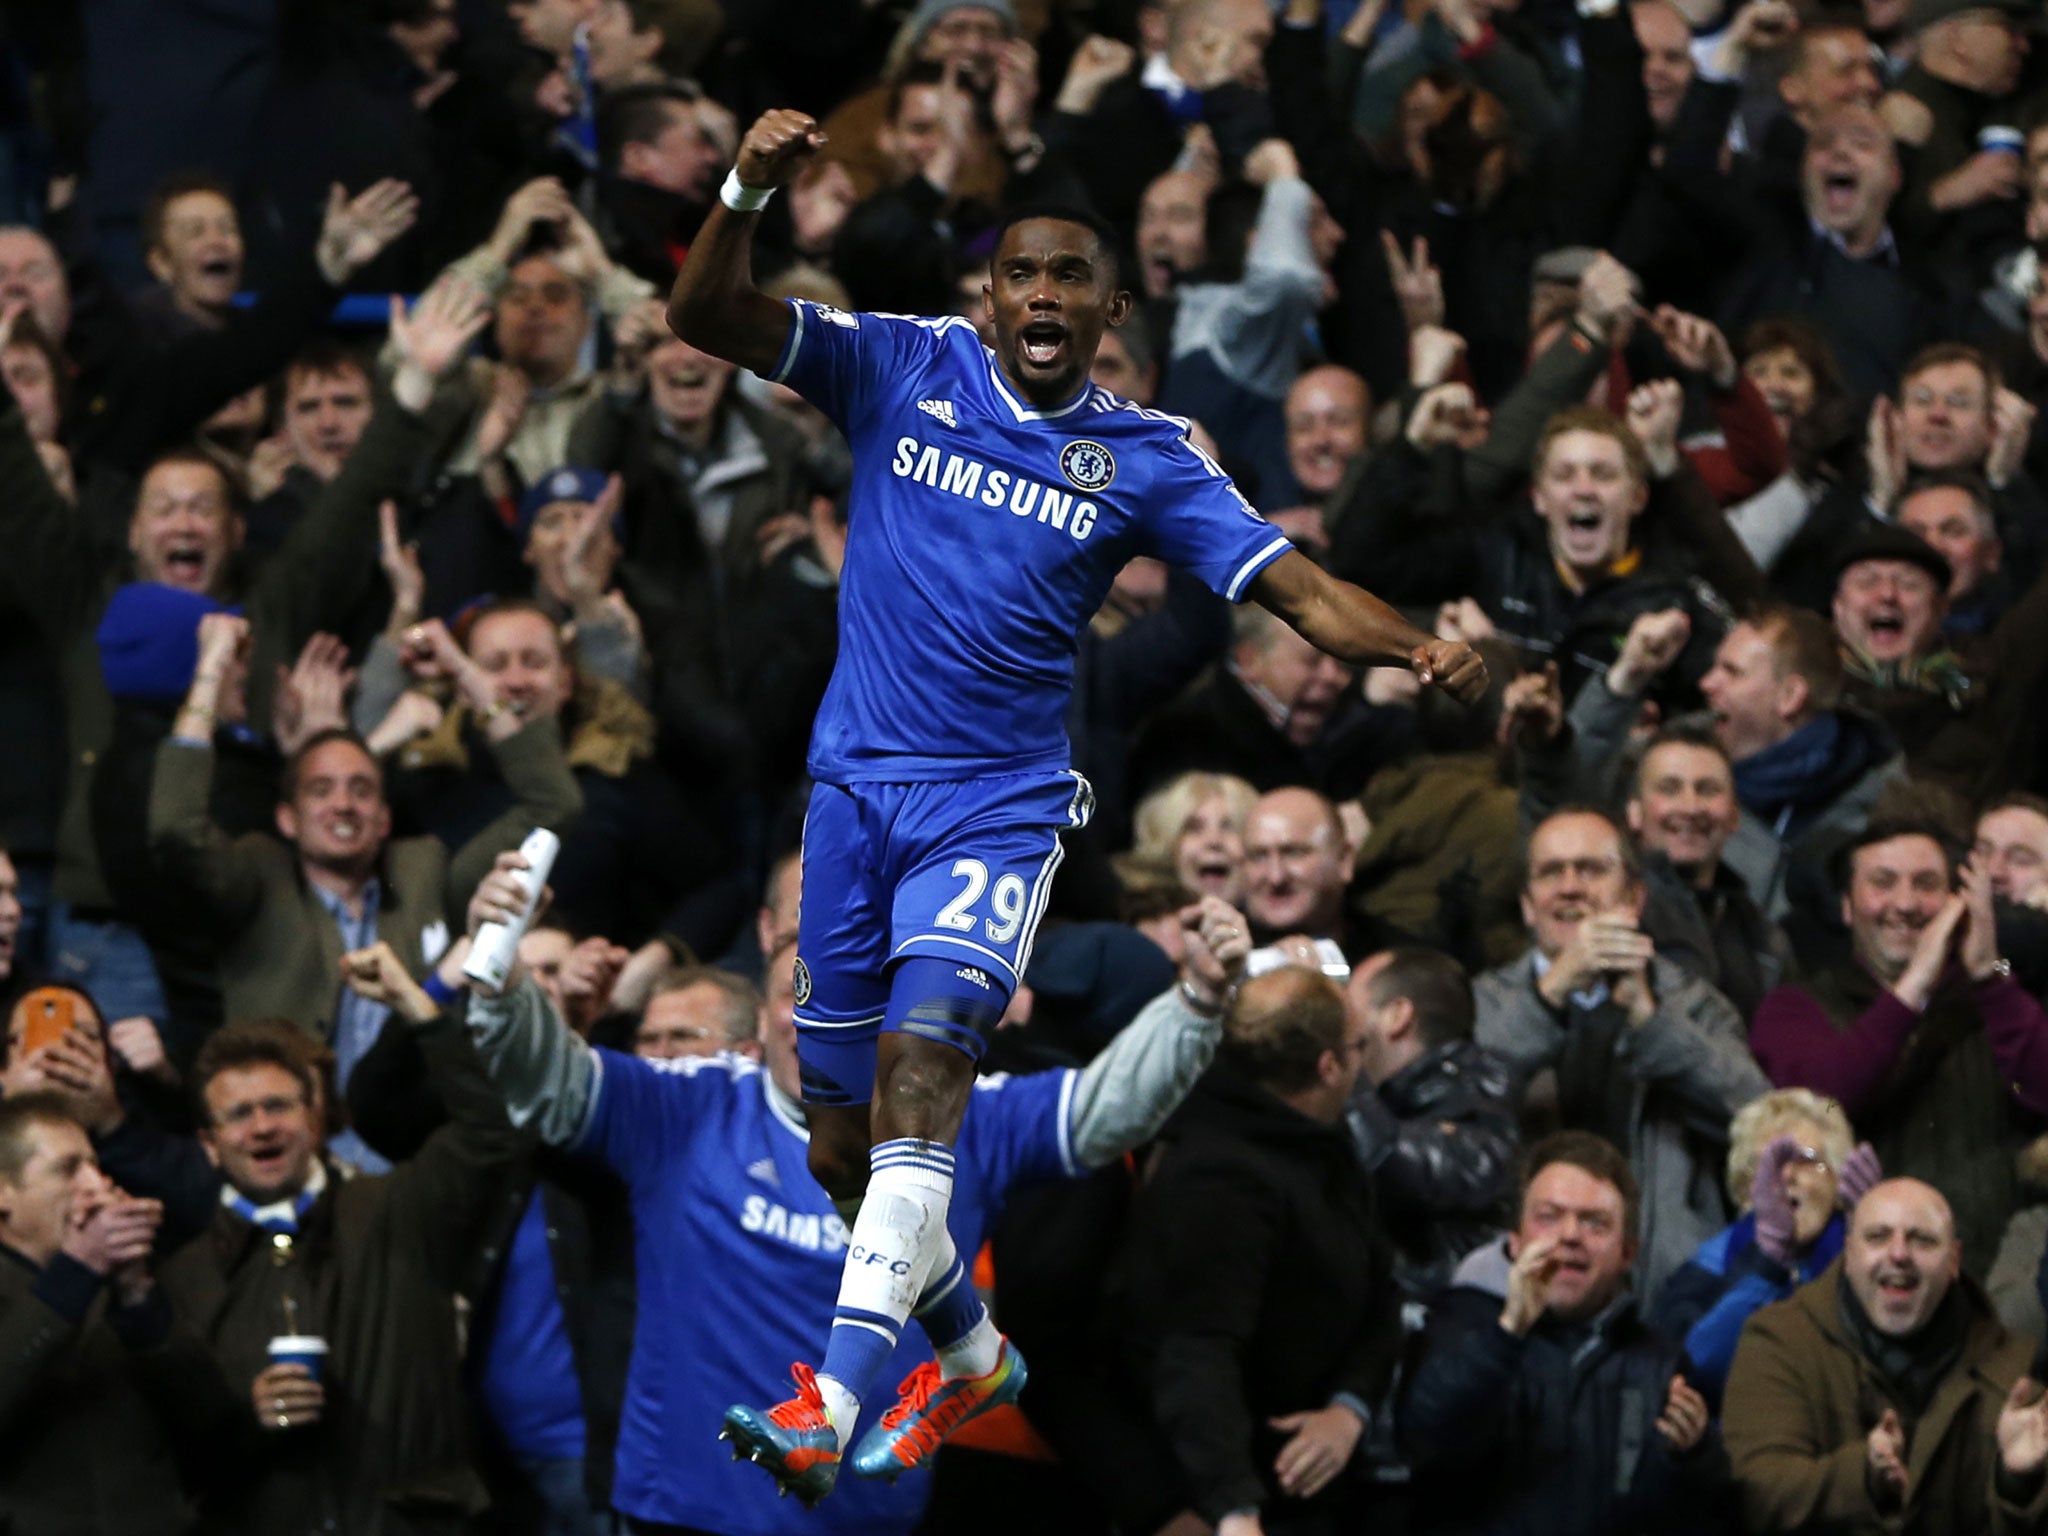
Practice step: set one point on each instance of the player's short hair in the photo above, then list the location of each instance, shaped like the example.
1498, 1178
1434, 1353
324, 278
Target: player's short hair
739, 1000
167, 191
1591, 1154
1591, 418
1437, 987
1279, 1045
1106, 238
20, 1114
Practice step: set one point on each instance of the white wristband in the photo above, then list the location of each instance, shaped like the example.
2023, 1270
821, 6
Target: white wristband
741, 198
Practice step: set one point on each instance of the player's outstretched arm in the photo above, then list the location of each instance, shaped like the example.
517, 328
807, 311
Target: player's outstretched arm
715, 306
1351, 624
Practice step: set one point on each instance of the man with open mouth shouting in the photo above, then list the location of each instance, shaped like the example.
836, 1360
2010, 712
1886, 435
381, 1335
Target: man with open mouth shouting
1885, 1395
996, 494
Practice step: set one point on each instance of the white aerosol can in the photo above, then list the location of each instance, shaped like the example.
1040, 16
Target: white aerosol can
497, 944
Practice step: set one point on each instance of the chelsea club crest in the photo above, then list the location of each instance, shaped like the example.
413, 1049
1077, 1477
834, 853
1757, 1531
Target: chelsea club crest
1089, 466
803, 983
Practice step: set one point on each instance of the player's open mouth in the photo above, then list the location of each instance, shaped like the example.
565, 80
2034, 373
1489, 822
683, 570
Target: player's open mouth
1040, 342
184, 564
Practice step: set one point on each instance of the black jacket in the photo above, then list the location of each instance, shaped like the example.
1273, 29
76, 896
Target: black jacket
1717, 933
1439, 1138
1253, 1282
1553, 1432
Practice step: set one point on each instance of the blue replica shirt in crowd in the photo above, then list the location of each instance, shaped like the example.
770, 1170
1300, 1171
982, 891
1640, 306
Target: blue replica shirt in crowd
983, 533
526, 1370
738, 1254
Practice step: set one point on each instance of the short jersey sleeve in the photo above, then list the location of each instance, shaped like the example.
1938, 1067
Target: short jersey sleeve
1022, 1129
844, 363
1197, 520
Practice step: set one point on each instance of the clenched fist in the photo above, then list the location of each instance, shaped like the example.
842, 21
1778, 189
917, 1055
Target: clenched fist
776, 148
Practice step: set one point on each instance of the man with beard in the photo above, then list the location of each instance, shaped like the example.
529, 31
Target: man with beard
1885, 1395
1920, 1034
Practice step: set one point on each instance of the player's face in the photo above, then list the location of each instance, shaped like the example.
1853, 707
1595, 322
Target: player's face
1051, 291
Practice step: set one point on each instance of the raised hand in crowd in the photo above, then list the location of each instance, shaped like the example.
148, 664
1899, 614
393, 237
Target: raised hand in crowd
401, 565
1418, 285
541, 202
434, 336
2012, 432
311, 694
1697, 345
1448, 416
1607, 946
357, 230
1533, 706
1215, 939
141, 1049
1607, 299
376, 973
1685, 1418
501, 898
219, 681
1433, 355
1654, 641
112, 1235
1653, 415
1884, 454
1463, 619
2023, 1430
1015, 96
590, 975
75, 1066
1096, 63
429, 652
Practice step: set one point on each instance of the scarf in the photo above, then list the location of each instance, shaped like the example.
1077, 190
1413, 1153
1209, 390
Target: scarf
1909, 1368
1787, 773
1938, 672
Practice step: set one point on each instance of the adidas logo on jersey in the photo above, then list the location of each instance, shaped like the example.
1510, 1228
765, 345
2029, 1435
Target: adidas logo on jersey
939, 410
764, 1170
970, 974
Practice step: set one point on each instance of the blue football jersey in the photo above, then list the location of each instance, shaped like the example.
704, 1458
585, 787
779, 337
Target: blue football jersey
983, 533
738, 1254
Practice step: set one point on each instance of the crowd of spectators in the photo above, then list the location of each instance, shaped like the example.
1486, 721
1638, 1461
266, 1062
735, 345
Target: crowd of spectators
1630, 1112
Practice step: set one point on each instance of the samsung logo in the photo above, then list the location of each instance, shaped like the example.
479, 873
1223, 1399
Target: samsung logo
975, 481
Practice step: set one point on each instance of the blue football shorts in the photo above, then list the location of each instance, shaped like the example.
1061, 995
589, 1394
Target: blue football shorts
955, 870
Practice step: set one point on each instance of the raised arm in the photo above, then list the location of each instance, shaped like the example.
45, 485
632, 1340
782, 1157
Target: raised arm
715, 305
1351, 624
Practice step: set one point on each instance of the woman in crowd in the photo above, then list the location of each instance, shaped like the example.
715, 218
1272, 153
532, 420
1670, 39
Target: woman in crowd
1793, 1174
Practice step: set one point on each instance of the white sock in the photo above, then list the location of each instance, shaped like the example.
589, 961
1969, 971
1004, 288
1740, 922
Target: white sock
896, 1236
975, 1355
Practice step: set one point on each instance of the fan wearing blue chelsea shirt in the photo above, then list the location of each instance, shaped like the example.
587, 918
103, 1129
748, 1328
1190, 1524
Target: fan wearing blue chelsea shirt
712, 1152
995, 495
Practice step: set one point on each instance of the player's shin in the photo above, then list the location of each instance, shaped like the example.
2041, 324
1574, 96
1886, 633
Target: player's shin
892, 1249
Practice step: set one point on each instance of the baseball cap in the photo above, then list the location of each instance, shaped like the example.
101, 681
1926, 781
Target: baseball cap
572, 482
